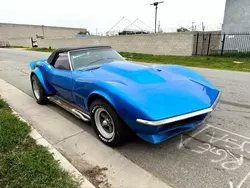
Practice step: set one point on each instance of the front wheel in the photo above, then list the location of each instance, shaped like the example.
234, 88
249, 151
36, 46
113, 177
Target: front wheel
38, 91
108, 126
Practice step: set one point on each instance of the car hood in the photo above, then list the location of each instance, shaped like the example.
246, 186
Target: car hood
159, 91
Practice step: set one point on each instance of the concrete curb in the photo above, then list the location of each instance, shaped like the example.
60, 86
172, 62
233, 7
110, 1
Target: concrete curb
78, 145
64, 163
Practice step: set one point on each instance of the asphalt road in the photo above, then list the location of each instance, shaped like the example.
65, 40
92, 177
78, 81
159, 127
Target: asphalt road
217, 154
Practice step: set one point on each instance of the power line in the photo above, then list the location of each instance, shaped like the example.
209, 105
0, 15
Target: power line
131, 23
115, 25
146, 24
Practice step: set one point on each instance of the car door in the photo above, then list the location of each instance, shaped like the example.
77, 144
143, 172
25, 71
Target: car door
61, 77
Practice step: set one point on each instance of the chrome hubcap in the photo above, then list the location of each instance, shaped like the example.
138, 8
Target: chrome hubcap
104, 123
35, 89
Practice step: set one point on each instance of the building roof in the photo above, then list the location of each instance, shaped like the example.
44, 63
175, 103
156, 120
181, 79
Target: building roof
35, 25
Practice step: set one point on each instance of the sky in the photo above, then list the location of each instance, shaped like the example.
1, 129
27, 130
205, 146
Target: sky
101, 15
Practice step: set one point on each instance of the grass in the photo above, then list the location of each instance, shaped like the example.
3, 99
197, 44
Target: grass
41, 49
22, 162
16, 47
213, 62
225, 62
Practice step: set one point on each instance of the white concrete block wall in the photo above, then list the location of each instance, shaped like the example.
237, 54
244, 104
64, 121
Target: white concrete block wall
25, 42
180, 44
10, 31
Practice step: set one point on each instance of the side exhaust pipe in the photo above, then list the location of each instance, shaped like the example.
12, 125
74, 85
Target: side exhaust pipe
70, 108
79, 115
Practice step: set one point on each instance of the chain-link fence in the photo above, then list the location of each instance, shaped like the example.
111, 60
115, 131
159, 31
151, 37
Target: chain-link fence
217, 43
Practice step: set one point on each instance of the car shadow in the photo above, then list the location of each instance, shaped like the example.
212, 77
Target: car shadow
134, 143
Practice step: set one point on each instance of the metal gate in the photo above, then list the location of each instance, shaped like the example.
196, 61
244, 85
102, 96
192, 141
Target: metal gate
220, 43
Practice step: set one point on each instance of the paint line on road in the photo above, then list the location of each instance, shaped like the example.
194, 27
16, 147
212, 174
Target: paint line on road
235, 104
231, 184
207, 147
182, 143
229, 132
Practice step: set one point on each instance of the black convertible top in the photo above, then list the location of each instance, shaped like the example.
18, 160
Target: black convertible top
55, 53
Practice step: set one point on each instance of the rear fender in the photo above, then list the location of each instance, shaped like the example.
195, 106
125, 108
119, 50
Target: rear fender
34, 63
39, 75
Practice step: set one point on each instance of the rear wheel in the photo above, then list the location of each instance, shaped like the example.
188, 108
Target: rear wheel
38, 91
108, 126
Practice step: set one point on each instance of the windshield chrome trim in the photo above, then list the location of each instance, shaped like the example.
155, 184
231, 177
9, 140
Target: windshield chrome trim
95, 48
181, 117
70, 63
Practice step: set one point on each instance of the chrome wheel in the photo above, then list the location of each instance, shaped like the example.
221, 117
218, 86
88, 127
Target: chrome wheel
36, 89
104, 123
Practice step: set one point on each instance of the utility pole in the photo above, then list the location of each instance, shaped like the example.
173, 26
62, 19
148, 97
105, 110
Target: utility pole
43, 30
159, 26
192, 26
203, 26
156, 7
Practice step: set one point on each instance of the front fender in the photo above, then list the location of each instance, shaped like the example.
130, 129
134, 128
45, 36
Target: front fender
104, 95
124, 105
39, 75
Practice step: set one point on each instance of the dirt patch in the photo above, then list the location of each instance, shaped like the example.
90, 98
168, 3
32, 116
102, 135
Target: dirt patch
95, 174
97, 177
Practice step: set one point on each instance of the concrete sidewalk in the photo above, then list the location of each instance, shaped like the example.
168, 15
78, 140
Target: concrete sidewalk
103, 166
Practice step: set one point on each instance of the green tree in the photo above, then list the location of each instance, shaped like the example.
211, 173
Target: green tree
182, 29
83, 32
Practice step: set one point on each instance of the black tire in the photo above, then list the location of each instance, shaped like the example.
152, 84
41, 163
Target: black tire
42, 94
121, 131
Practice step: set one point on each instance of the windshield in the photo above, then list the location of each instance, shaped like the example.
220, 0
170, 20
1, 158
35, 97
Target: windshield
92, 57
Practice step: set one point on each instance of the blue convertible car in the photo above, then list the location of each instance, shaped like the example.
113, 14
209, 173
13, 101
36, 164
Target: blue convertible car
121, 98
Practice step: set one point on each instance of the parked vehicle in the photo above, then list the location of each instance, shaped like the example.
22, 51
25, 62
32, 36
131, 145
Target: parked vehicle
121, 98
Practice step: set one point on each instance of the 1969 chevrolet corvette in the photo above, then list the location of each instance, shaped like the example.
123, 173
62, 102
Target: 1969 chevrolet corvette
120, 98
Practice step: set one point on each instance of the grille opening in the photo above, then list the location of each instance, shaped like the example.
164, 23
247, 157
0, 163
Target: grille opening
182, 124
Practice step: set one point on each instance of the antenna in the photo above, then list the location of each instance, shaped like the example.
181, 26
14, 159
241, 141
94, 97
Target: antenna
156, 7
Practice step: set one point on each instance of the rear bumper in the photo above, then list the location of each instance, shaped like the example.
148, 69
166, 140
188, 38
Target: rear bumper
181, 117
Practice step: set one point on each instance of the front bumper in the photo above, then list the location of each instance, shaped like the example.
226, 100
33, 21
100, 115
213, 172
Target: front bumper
181, 117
